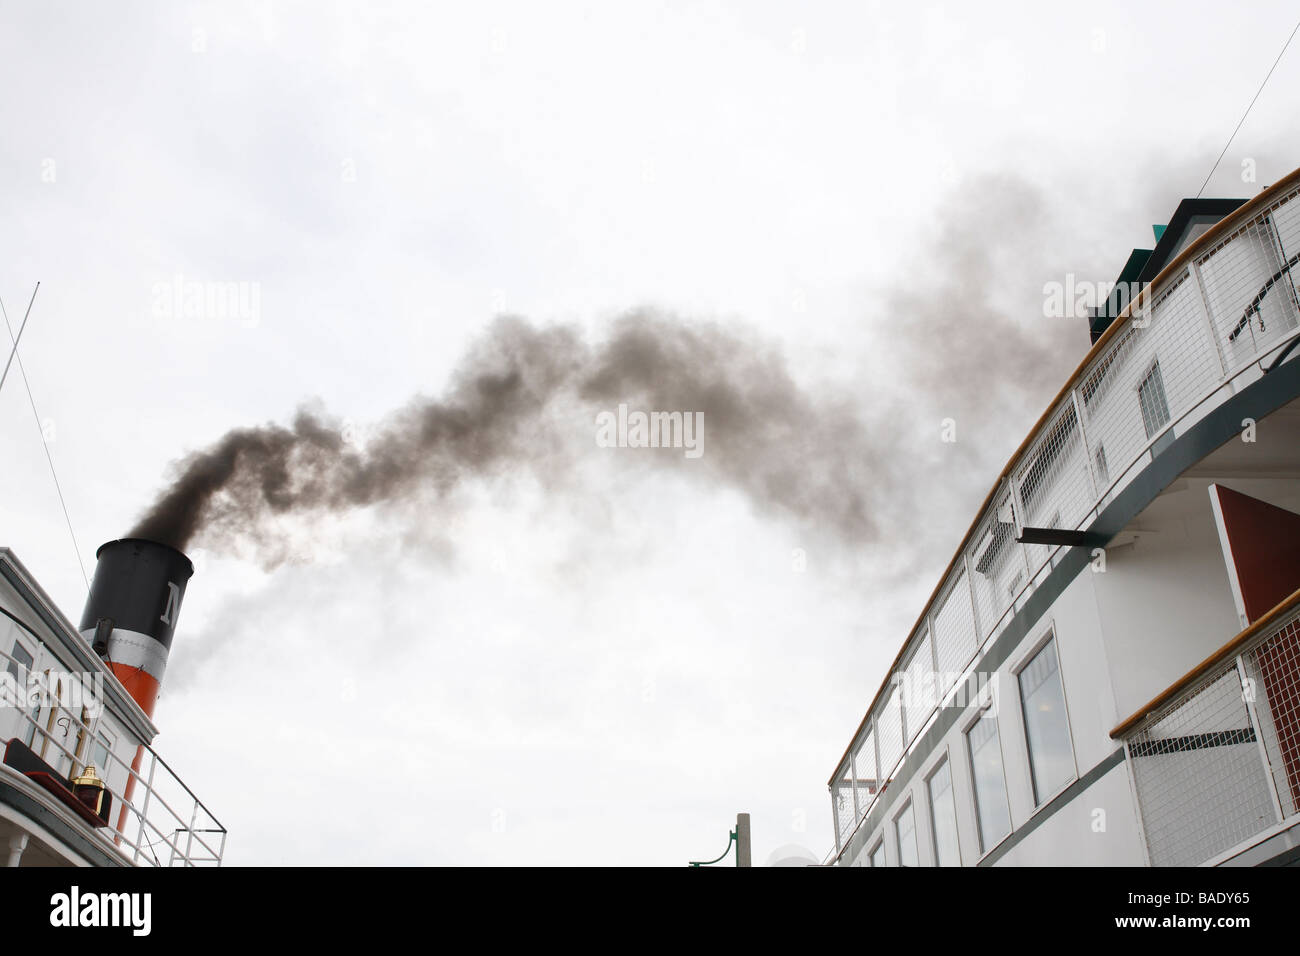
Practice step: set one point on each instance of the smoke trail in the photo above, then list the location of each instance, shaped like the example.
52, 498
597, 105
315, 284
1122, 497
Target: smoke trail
511, 401
961, 335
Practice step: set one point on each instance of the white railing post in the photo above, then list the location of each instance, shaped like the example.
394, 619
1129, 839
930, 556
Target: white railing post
1281, 252
189, 843
970, 593
1087, 451
875, 745
853, 787
1137, 802
143, 811
1248, 697
1207, 318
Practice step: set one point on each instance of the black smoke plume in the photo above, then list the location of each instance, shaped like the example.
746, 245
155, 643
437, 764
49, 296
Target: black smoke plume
961, 335
507, 408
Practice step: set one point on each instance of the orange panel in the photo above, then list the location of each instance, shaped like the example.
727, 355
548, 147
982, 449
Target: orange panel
143, 689
139, 684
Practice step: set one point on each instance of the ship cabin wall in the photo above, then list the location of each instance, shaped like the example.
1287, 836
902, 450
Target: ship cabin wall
1088, 817
90, 732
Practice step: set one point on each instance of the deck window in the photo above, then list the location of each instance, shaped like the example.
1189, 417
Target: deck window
20, 663
943, 816
878, 854
1047, 732
1151, 396
990, 785
905, 827
99, 752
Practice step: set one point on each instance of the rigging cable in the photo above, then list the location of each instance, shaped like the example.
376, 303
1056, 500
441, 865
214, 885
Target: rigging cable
1248, 109
41, 428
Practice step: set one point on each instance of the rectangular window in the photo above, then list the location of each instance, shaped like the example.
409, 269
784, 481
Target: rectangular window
1151, 397
905, 827
21, 664
990, 785
1051, 755
878, 854
943, 816
103, 746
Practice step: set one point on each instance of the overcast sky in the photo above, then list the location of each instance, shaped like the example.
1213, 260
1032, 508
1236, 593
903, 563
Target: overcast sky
605, 671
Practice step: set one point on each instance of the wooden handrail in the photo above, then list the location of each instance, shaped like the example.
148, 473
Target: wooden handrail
1228, 650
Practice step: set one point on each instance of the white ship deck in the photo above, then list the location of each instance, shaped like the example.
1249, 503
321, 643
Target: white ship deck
1152, 411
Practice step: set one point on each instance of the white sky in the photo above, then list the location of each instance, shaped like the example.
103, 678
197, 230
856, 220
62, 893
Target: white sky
604, 677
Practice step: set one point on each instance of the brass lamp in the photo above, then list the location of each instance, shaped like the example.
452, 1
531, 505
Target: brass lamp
89, 789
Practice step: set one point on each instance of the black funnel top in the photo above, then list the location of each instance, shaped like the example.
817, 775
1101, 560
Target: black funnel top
138, 585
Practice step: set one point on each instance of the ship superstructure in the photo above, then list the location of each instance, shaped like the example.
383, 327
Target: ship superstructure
1108, 671
80, 782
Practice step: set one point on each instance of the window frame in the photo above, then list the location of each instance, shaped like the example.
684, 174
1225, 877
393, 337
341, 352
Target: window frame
1048, 636
909, 805
1153, 369
12, 664
945, 760
11, 661
967, 727
879, 845
106, 737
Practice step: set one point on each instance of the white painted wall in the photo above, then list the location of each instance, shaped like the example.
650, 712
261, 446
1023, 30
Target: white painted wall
1069, 836
1164, 603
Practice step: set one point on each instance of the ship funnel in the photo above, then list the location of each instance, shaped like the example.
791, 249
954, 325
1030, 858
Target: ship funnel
131, 612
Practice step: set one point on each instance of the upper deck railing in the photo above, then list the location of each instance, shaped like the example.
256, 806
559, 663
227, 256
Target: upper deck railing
1216, 757
162, 824
1213, 320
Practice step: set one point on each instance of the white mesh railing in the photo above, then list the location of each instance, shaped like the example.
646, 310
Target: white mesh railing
865, 783
1230, 306
1273, 675
842, 803
888, 719
1248, 286
1220, 762
998, 570
1053, 480
954, 627
917, 687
